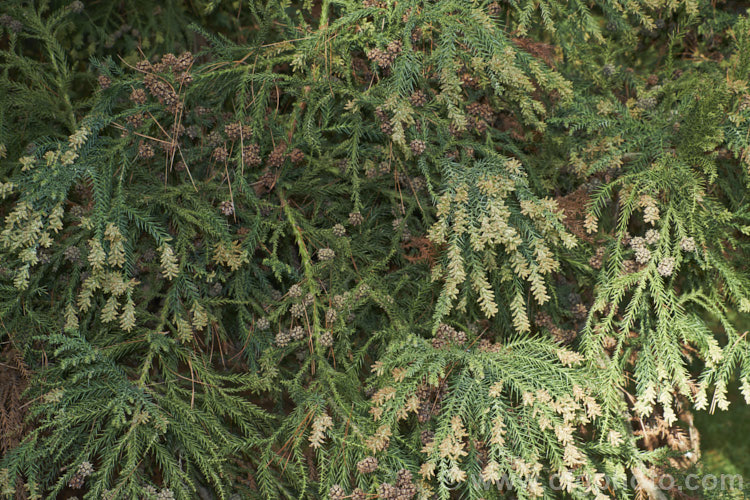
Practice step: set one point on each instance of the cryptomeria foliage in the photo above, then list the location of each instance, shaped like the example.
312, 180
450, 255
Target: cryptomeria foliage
405, 249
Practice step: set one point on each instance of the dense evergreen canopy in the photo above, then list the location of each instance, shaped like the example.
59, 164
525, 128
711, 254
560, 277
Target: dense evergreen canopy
358, 249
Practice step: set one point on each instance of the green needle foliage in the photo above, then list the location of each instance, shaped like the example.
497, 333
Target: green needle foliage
344, 249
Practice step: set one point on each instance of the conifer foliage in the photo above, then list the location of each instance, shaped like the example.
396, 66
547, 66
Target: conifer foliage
369, 249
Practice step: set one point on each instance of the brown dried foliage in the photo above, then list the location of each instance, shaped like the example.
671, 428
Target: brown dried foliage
425, 250
544, 51
573, 206
14, 377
